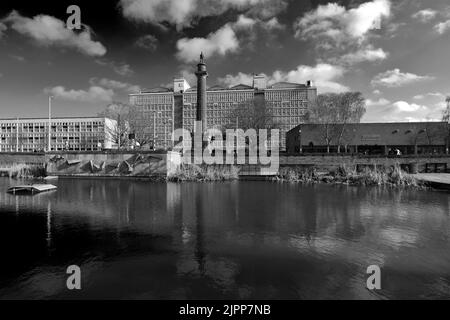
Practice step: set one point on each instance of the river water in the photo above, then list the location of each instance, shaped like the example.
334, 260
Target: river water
231, 240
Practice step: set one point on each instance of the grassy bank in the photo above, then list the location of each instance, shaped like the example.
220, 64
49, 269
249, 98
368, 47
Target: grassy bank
198, 173
350, 176
20, 171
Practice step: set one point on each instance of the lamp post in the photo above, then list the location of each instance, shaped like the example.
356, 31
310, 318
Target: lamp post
17, 135
49, 147
300, 138
154, 130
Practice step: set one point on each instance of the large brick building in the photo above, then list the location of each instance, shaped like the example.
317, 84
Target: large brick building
164, 109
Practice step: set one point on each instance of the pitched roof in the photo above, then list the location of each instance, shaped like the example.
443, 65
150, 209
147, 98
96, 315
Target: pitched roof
288, 85
157, 90
216, 88
371, 134
241, 87
192, 89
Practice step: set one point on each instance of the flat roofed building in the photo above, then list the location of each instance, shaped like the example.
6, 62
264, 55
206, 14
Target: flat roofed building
70, 134
370, 138
167, 109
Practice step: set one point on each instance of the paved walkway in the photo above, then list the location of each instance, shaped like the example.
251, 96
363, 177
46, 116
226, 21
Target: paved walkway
439, 179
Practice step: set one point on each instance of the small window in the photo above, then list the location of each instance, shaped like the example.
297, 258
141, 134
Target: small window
395, 131
408, 131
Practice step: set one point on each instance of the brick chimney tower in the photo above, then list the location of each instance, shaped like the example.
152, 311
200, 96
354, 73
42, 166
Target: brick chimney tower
201, 74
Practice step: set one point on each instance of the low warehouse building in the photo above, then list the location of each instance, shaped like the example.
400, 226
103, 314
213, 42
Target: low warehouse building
370, 138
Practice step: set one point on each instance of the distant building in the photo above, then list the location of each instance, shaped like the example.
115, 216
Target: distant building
71, 134
370, 138
164, 109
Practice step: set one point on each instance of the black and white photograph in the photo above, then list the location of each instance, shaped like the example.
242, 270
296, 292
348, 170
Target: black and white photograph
224, 155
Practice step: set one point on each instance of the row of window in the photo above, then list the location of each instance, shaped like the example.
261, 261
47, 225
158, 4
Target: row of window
156, 107
44, 136
152, 99
218, 97
158, 116
229, 96
281, 95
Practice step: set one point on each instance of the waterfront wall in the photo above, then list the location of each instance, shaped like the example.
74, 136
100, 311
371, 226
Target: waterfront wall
139, 165
149, 164
332, 162
9, 159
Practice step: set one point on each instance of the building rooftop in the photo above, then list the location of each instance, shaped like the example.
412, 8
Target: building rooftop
278, 85
371, 134
157, 90
287, 85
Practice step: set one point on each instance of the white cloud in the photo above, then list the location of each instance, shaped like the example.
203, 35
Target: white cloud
225, 40
93, 94
122, 69
396, 78
425, 15
377, 92
114, 85
442, 27
324, 76
184, 13
366, 54
232, 80
403, 106
220, 42
18, 58
148, 42
274, 24
49, 31
3, 28
377, 103
402, 111
336, 24
437, 95
244, 22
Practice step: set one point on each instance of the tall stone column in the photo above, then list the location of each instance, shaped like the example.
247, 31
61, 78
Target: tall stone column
201, 74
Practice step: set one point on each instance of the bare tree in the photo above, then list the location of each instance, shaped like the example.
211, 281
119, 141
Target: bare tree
140, 126
333, 112
251, 114
120, 113
446, 113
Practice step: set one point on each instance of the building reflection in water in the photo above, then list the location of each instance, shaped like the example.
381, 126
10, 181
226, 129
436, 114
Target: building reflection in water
199, 247
49, 226
221, 240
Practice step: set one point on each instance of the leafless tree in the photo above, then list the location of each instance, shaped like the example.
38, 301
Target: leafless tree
251, 114
446, 113
120, 113
140, 126
333, 112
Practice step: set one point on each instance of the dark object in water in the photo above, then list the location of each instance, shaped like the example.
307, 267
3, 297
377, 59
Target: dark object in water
32, 188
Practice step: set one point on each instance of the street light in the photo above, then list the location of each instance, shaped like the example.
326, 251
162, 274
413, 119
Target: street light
154, 130
300, 138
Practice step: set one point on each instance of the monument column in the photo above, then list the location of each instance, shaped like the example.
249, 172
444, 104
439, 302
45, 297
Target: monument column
201, 74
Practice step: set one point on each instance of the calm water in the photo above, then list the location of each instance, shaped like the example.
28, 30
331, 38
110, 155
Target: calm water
249, 240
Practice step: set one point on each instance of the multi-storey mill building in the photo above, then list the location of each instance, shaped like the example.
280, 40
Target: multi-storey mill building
69, 134
164, 109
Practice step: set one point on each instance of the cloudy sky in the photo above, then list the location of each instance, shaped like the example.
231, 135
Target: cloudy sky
395, 52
